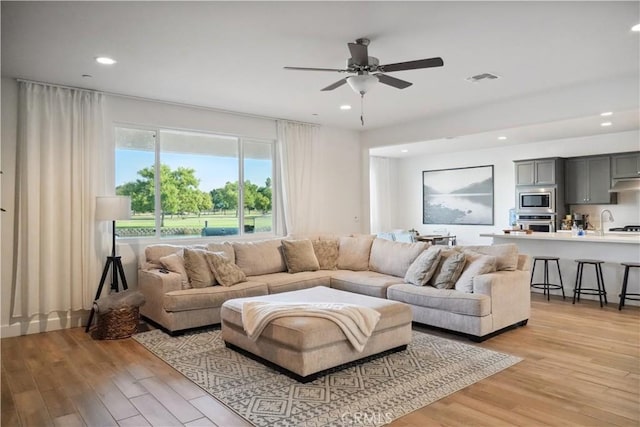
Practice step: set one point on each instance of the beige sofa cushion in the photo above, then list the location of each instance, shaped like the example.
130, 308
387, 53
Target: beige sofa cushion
506, 254
210, 297
225, 247
226, 272
299, 256
175, 263
368, 283
153, 253
394, 258
441, 299
476, 265
422, 268
197, 267
263, 257
327, 253
353, 253
285, 282
449, 269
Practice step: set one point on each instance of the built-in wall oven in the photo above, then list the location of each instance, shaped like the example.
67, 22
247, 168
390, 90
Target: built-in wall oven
536, 199
544, 223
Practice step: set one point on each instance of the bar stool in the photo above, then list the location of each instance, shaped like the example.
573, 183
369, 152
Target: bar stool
546, 286
578, 289
624, 295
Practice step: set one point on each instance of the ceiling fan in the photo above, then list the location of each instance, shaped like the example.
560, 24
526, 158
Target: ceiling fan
368, 71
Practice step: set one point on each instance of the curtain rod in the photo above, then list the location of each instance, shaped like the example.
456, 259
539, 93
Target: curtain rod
179, 104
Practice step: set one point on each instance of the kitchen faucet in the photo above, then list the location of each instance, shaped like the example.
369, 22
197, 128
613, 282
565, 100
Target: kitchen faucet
610, 219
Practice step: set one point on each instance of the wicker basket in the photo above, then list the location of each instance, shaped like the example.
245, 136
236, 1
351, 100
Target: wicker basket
117, 323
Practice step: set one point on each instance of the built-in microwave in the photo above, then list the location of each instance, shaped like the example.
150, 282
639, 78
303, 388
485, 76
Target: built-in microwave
533, 199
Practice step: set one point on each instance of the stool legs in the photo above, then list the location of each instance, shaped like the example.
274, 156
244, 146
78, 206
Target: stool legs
560, 275
623, 294
545, 285
601, 291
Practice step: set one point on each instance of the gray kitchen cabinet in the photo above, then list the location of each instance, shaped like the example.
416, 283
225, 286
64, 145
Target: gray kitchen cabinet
536, 172
625, 165
588, 180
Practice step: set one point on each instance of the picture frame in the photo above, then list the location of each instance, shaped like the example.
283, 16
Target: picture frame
458, 196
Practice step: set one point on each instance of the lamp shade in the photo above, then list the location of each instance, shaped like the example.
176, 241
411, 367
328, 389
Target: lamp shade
362, 83
111, 208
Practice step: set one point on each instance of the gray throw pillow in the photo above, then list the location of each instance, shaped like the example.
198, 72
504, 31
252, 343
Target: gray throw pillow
449, 270
423, 267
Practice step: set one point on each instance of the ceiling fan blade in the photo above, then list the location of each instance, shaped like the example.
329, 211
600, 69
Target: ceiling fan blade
359, 53
335, 85
392, 81
315, 69
412, 65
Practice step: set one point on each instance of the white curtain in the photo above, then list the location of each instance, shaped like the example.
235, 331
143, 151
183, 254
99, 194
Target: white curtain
295, 148
60, 170
380, 194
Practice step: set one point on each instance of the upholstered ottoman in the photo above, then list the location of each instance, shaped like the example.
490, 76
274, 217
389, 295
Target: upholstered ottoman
305, 346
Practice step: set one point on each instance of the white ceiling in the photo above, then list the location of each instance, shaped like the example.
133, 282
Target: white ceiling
229, 55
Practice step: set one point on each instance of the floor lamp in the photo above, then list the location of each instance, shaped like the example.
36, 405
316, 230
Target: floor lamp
111, 208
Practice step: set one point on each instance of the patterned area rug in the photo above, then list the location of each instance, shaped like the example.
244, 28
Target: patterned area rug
373, 392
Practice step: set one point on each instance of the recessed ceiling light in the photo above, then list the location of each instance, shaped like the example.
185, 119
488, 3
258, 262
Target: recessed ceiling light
345, 107
404, 151
105, 60
502, 138
635, 27
606, 113
604, 124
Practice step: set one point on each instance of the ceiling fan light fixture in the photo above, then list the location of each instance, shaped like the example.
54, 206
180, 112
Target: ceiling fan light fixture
362, 83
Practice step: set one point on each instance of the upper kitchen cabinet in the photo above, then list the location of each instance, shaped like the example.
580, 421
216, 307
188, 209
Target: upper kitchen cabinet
538, 172
625, 165
588, 180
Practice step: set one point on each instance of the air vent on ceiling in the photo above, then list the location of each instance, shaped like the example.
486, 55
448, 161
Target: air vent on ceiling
480, 77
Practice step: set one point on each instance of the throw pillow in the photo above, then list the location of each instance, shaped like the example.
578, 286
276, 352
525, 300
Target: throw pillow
353, 253
299, 256
423, 267
226, 272
507, 254
175, 264
327, 253
476, 265
197, 268
224, 247
449, 270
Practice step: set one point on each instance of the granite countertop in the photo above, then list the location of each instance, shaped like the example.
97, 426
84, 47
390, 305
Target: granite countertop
590, 237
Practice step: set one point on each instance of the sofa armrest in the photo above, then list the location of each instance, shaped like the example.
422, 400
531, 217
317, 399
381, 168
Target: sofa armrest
154, 281
510, 296
524, 262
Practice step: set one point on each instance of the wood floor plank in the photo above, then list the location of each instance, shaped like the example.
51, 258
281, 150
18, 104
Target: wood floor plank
154, 412
170, 399
581, 367
137, 421
202, 422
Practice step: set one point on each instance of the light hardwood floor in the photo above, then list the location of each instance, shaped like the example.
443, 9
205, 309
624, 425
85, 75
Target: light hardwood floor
581, 367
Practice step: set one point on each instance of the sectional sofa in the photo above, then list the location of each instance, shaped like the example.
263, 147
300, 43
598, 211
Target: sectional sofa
489, 293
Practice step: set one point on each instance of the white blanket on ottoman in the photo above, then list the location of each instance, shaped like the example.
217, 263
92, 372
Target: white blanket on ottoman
356, 322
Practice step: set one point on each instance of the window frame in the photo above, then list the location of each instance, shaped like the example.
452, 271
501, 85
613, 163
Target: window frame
240, 141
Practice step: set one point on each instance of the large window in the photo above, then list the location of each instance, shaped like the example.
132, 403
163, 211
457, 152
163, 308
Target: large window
193, 184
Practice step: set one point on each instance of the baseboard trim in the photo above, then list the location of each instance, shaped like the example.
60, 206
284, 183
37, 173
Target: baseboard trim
38, 324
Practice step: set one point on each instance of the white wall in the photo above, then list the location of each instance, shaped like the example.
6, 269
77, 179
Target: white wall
408, 200
337, 181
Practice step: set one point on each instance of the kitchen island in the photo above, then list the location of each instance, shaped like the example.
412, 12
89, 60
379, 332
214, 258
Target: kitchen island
612, 248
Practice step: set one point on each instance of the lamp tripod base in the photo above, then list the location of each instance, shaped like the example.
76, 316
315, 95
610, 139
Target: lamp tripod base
118, 271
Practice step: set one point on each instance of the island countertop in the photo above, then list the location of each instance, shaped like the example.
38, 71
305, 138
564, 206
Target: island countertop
567, 237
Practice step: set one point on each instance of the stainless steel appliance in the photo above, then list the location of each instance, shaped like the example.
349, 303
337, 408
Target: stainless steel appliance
543, 223
536, 199
627, 229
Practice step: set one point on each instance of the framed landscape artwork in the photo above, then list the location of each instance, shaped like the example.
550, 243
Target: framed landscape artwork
462, 196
